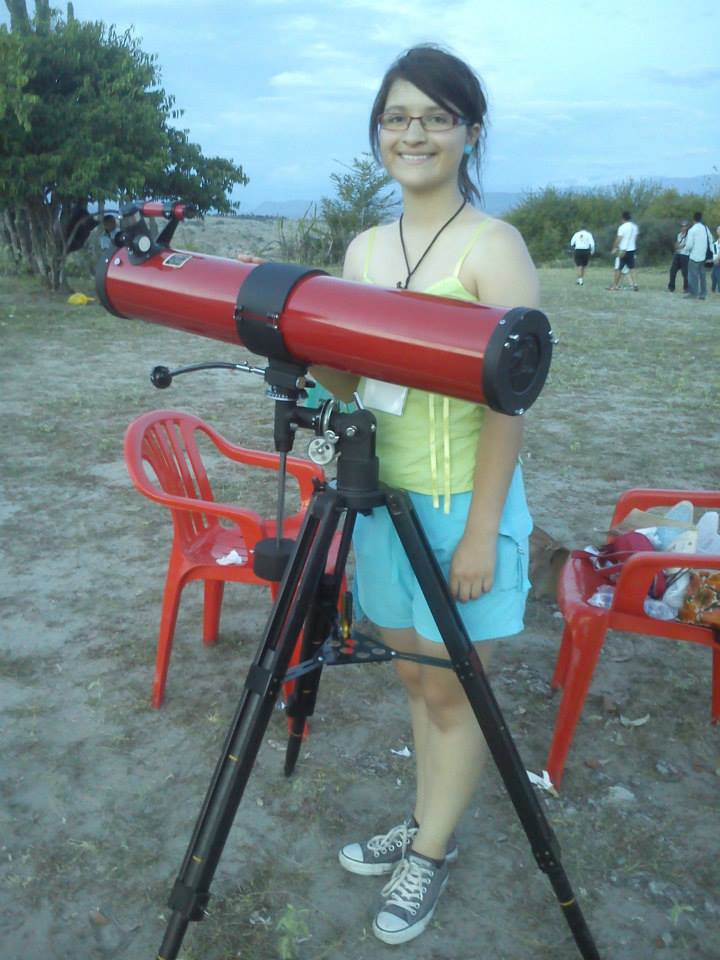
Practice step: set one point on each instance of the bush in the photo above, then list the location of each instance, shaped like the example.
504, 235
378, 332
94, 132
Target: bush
547, 219
359, 204
303, 241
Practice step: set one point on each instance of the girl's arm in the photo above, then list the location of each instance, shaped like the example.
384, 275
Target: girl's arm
343, 385
504, 275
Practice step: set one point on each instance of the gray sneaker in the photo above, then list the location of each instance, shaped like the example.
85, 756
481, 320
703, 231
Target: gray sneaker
410, 899
383, 852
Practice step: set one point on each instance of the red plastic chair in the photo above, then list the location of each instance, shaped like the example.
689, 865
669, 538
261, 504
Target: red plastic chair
165, 440
586, 625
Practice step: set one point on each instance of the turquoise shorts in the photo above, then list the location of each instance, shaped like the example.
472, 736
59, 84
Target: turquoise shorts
390, 595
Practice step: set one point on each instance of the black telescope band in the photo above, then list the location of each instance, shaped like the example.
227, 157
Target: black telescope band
262, 297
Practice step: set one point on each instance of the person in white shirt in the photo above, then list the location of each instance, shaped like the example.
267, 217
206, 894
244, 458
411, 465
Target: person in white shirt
698, 238
583, 247
680, 259
625, 247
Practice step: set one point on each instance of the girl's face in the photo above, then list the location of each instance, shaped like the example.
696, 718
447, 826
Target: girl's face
420, 159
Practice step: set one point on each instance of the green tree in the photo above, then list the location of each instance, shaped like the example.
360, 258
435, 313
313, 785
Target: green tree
83, 119
359, 203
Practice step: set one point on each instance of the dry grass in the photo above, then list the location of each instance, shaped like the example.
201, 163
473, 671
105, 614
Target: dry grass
101, 792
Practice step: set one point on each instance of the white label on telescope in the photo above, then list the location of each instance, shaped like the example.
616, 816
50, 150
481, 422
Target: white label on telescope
386, 397
176, 260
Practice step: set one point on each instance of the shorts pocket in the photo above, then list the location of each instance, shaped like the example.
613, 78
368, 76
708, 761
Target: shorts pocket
511, 569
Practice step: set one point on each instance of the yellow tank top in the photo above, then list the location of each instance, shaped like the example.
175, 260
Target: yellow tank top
431, 448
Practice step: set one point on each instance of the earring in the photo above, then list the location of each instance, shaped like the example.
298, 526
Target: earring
467, 149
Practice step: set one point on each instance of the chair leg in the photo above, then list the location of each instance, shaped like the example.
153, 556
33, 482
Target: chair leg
563, 660
168, 619
212, 607
585, 645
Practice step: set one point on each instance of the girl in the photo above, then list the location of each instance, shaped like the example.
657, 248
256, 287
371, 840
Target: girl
458, 460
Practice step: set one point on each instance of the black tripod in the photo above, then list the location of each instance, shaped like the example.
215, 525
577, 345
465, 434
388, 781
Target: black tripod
309, 597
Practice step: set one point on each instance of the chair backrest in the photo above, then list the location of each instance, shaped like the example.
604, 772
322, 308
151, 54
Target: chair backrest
165, 440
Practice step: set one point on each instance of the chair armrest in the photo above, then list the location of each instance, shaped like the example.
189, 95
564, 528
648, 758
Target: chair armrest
638, 571
249, 521
641, 498
304, 471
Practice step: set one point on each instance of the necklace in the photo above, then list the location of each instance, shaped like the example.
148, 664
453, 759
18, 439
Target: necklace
403, 286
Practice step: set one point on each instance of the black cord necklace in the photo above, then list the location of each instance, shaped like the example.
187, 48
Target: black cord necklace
403, 286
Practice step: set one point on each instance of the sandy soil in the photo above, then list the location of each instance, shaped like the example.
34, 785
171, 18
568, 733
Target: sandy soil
100, 792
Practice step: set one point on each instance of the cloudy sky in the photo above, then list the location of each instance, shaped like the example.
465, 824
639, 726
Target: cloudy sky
582, 92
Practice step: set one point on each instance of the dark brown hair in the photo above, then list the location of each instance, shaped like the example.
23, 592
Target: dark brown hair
452, 85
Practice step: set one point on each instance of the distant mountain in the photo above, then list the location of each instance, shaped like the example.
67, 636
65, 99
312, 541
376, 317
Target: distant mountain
496, 203
701, 185
293, 209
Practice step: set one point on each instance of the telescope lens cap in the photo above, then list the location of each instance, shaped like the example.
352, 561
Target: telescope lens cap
517, 360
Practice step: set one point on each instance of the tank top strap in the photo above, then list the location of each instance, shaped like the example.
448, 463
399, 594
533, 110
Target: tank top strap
470, 244
369, 253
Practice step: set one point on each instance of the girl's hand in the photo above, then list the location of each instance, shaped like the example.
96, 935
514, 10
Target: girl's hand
472, 568
249, 258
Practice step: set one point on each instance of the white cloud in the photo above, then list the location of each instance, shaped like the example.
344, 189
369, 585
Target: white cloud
581, 92
329, 80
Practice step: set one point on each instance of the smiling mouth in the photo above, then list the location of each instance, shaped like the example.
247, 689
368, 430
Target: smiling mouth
415, 157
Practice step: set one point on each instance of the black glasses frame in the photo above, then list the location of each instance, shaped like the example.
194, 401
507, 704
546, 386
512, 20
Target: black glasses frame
457, 121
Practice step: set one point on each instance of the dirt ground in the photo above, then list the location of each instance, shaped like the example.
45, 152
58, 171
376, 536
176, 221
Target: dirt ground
100, 792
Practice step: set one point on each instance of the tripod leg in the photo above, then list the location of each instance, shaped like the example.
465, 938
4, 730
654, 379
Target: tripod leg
318, 626
190, 893
471, 675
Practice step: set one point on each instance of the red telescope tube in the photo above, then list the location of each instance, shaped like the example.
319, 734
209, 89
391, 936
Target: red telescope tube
491, 355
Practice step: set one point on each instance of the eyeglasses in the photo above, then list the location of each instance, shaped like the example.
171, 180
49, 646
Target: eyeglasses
437, 122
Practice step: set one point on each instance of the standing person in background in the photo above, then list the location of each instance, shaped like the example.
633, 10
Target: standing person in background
583, 247
625, 247
680, 258
698, 238
715, 275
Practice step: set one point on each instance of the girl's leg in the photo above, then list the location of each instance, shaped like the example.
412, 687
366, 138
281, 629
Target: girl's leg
449, 745
410, 675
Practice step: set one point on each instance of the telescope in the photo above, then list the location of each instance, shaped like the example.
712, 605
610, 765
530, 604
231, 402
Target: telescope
492, 355
296, 316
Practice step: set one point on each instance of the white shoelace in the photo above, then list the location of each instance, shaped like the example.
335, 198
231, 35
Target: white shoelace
399, 836
408, 885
